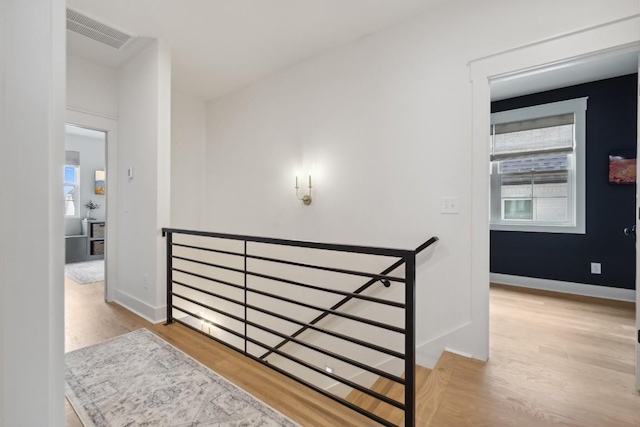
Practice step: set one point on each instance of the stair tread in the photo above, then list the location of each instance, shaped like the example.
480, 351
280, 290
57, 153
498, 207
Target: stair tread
390, 389
429, 394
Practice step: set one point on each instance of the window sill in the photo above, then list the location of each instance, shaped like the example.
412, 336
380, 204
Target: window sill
564, 229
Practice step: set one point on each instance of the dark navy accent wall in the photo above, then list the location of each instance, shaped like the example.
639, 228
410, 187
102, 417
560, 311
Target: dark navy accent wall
611, 124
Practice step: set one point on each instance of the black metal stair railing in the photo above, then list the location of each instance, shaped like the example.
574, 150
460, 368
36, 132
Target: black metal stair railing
349, 298
198, 278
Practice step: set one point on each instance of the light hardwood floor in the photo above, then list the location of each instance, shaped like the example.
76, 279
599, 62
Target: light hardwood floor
554, 361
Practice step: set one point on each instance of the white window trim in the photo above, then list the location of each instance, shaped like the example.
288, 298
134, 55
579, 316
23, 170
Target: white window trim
577, 106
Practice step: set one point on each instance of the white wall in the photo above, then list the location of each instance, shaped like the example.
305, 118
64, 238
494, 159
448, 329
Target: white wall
92, 88
92, 158
144, 129
188, 139
384, 123
32, 93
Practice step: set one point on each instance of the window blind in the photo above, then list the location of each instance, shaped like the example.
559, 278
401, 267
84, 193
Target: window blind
540, 163
543, 135
72, 158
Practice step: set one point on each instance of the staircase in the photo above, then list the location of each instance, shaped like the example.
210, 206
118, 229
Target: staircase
259, 295
430, 389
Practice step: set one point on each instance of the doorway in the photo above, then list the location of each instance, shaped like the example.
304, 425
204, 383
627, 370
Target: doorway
558, 337
617, 38
100, 237
85, 205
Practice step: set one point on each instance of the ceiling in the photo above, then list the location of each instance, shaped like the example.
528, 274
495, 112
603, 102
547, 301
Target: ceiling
222, 45
84, 132
219, 46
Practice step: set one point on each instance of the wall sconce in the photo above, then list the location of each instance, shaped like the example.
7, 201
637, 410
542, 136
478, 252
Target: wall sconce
306, 199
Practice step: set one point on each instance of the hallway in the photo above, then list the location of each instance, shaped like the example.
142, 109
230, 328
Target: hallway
554, 361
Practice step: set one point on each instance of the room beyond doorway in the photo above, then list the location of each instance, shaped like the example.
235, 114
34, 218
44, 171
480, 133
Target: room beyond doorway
85, 204
99, 230
529, 259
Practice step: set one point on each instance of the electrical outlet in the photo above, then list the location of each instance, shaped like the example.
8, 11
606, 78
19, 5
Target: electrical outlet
596, 268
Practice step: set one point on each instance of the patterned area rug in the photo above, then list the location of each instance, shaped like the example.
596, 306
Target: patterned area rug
85, 272
138, 379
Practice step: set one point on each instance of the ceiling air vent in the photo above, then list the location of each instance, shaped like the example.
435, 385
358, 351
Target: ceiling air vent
88, 27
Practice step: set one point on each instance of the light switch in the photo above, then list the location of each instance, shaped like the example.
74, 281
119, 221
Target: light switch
450, 205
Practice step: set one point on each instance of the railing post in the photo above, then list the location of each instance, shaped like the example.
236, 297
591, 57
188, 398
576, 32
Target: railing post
245, 297
169, 278
410, 342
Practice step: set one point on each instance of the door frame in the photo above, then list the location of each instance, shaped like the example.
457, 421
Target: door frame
638, 253
610, 39
109, 126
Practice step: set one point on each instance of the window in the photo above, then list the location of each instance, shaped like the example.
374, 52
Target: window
71, 192
537, 168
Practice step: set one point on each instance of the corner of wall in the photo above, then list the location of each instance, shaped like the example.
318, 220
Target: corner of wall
455, 341
141, 308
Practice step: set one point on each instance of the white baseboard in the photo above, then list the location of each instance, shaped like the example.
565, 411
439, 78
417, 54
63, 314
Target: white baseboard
455, 341
583, 289
141, 308
459, 353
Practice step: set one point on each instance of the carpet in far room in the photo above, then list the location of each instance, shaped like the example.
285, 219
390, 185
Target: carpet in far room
85, 272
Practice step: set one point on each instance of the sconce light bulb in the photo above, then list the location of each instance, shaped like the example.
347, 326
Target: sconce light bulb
306, 198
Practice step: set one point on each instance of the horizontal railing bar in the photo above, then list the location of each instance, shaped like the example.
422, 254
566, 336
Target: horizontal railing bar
197, 316
296, 264
328, 353
331, 333
287, 281
213, 294
335, 313
332, 291
307, 384
239, 270
333, 376
219, 251
210, 264
222, 282
216, 310
375, 276
368, 250
331, 269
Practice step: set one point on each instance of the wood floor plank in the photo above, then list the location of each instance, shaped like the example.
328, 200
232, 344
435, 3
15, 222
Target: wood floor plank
432, 391
392, 390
